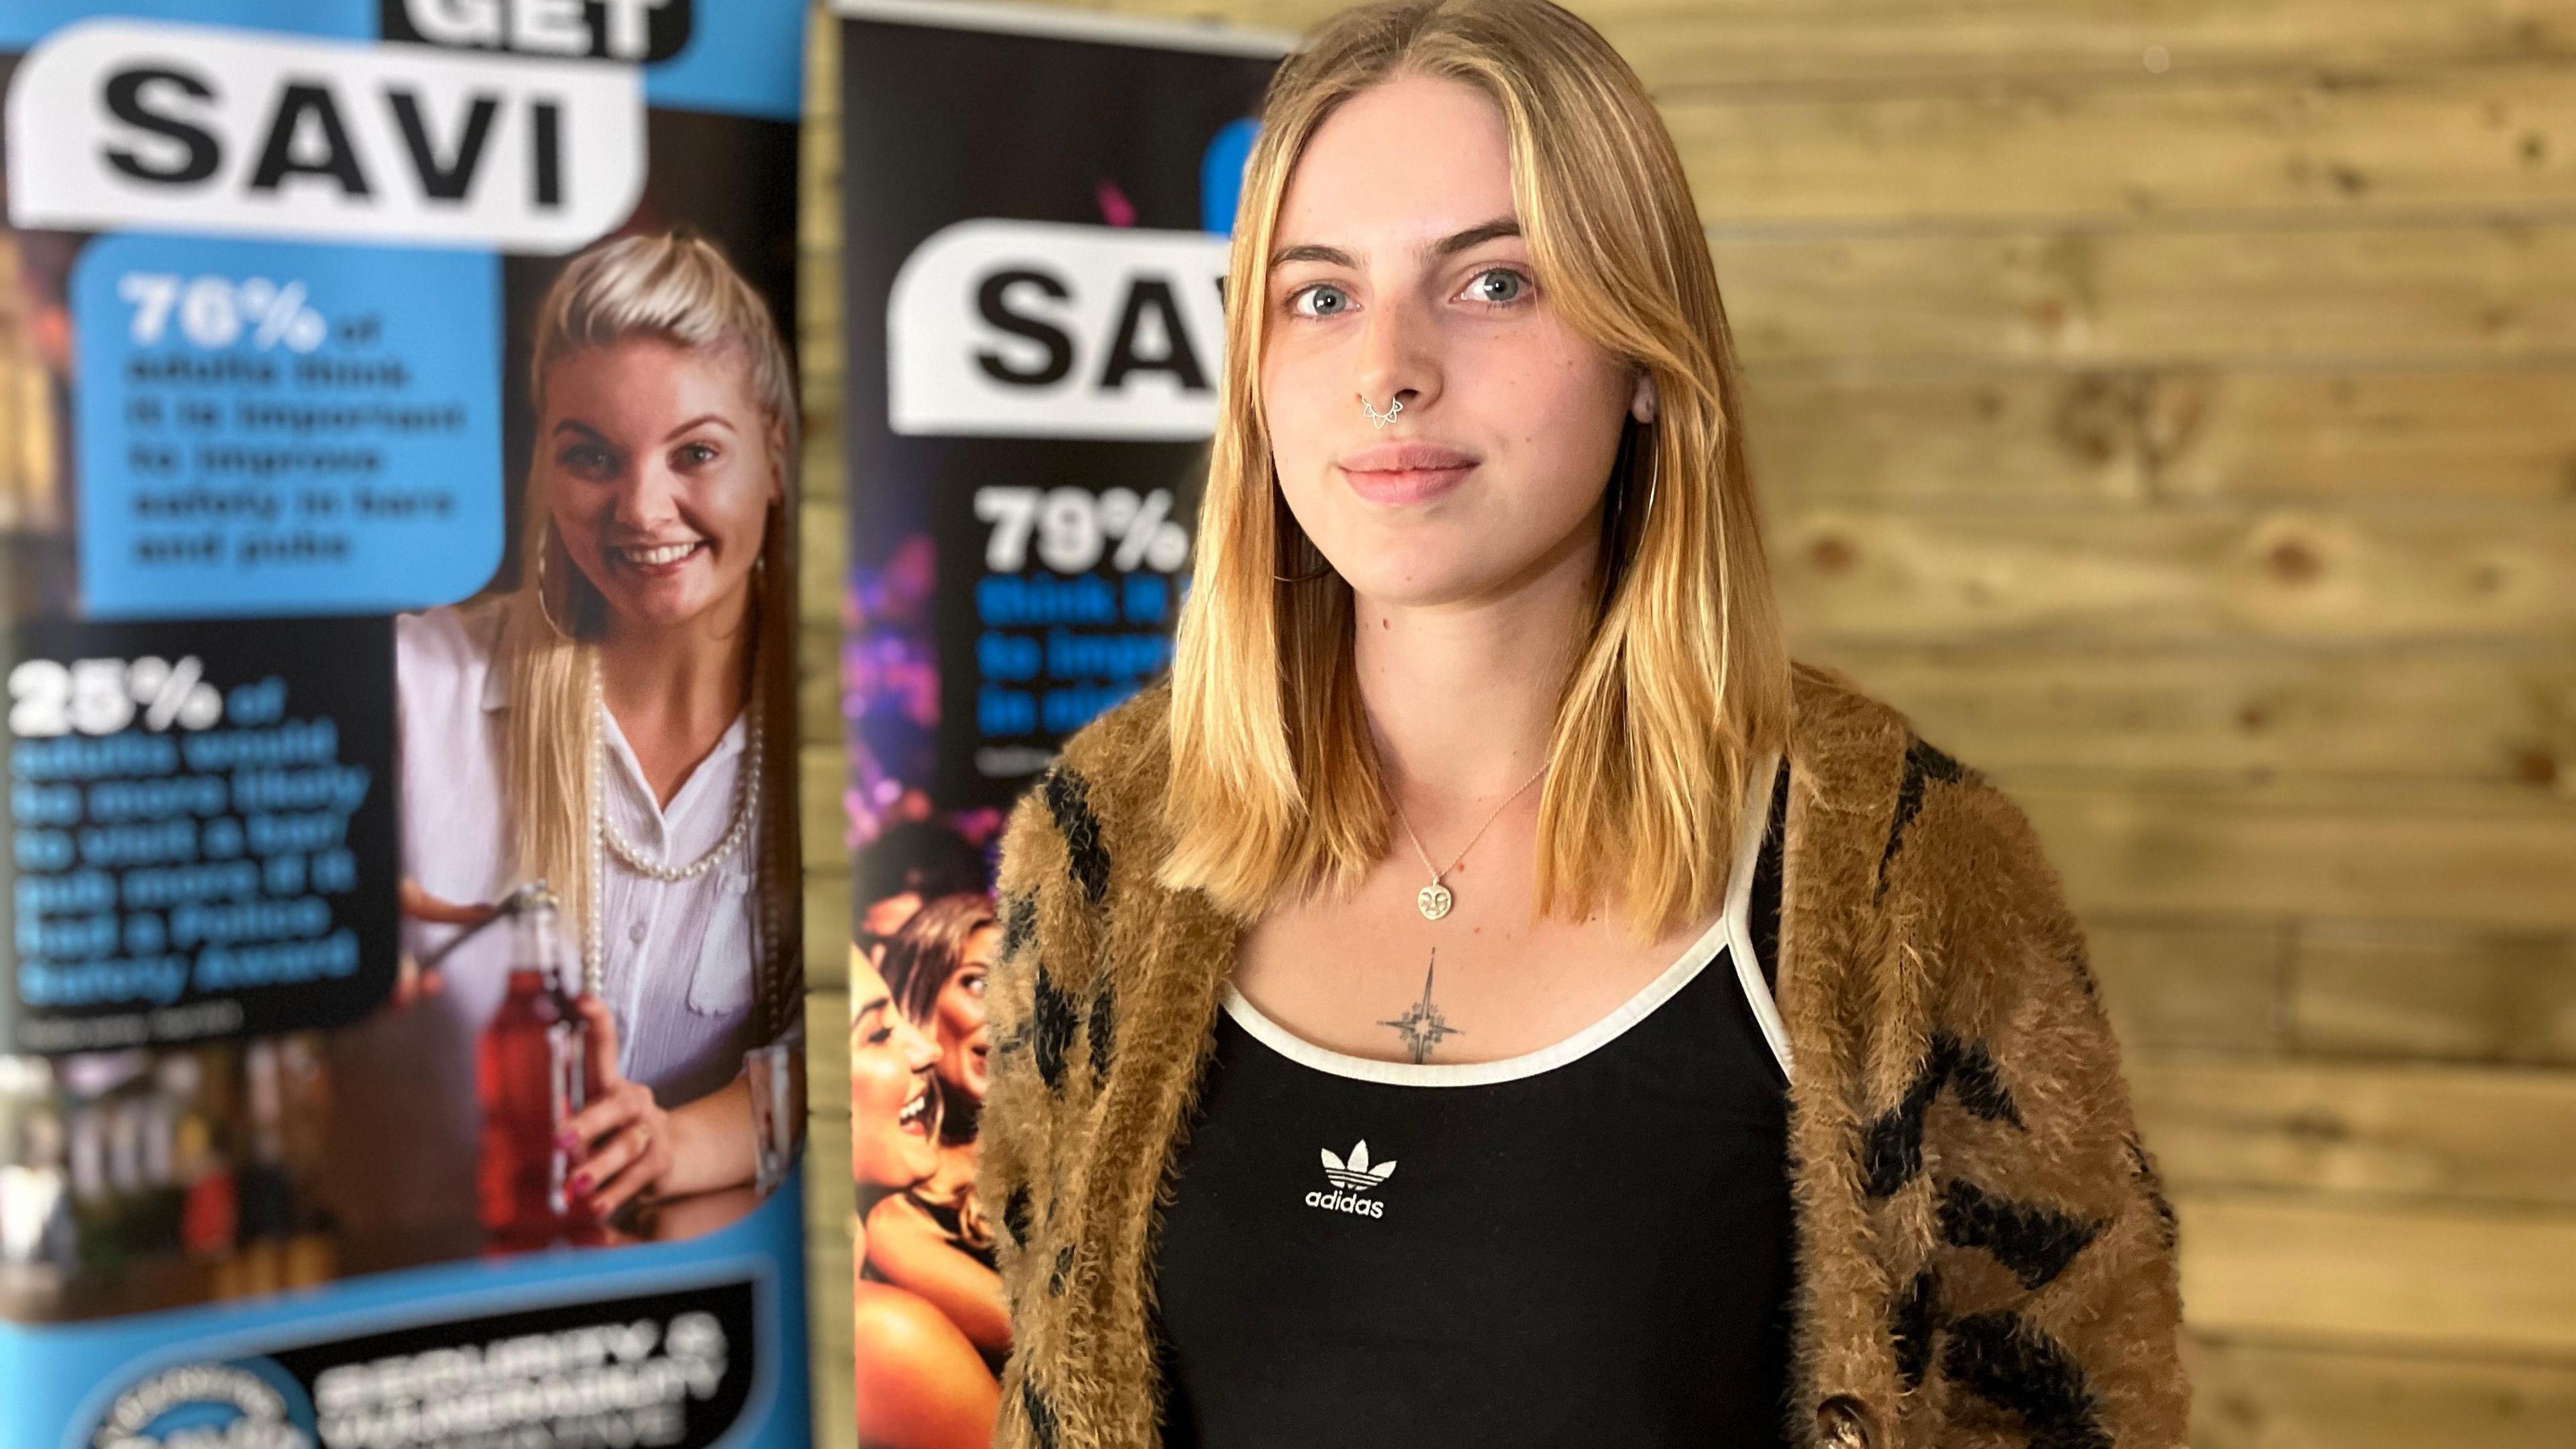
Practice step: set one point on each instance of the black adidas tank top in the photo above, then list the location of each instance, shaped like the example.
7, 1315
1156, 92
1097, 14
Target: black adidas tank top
1586, 1245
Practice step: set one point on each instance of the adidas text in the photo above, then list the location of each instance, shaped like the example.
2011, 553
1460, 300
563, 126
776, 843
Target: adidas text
1339, 1201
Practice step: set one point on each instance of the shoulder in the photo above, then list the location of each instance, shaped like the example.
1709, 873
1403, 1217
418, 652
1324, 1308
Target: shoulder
1898, 821
1124, 754
1863, 757
446, 651
1098, 808
1931, 863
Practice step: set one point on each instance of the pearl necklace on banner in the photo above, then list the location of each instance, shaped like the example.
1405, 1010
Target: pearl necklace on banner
607, 840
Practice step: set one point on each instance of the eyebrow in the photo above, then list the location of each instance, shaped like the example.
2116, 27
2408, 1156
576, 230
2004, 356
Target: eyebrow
575, 425
714, 418
1477, 235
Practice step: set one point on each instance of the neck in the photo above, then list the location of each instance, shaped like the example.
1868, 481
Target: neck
693, 677
1462, 697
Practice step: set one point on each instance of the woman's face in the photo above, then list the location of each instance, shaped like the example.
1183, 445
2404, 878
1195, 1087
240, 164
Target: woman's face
891, 1141
957, 1016
1398, 275
656, 465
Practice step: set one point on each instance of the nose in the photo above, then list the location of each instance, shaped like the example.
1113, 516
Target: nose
647, 495
918, 1048
1399, 361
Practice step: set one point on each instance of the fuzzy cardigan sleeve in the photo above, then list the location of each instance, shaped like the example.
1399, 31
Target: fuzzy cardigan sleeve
1006, 1154
1048, 893
2042, 1297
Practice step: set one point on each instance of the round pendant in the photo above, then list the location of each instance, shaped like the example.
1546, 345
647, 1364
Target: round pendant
1434, 900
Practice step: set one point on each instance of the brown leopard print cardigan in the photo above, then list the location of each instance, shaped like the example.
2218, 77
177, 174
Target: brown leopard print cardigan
1984, 1255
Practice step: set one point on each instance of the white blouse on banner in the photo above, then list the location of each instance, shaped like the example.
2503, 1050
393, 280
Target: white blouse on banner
678, 956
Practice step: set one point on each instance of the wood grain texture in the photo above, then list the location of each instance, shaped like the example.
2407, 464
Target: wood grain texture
2489, 1284
827, 1054
2326, 991
2449, 292
2445, 993
821, 770
818, 682
2255, 1394
2393, 856
2018, 438
2305, 576
829, 1191
827, 922
2193, 986
2425, 1135
2047, 436
2462, 436
2216, 711
1687, 44
2241, 147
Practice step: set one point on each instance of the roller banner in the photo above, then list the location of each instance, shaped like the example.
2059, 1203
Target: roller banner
1036, 211
401, 1029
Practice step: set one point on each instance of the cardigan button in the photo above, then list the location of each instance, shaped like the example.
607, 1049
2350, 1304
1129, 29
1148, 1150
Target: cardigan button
1843, 1421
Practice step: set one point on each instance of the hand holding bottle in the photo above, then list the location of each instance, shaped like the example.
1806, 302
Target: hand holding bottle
622, 1141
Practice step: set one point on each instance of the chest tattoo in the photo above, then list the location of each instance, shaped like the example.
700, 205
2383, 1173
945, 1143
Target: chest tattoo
1422, 1025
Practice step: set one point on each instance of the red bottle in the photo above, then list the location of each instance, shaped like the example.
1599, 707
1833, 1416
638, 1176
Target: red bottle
530, 1075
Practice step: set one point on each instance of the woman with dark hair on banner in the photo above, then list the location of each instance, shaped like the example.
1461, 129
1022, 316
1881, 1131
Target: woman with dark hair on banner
910, 863
616, 725
1301, 1130
933, 1237
921, 1385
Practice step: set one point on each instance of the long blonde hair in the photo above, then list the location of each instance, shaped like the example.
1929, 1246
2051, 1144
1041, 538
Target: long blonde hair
677, 288
1682, 686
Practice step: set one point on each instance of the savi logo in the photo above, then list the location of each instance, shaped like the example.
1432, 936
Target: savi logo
190, 128
247, 1405
1353, 1178
1053, 330
637, 31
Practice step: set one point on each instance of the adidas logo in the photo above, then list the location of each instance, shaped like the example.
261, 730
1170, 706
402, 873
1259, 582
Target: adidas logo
1353, 1178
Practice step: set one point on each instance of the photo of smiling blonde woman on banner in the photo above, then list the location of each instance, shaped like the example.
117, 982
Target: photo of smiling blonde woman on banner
616, 728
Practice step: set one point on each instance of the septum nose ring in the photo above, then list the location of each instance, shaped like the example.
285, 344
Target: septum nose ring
1396, 405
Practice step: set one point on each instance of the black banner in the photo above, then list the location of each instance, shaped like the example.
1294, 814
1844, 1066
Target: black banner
669, 1370
200, 825
1036, 236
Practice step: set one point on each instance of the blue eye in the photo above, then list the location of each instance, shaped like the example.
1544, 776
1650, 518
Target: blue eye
1293, 298
1520, 285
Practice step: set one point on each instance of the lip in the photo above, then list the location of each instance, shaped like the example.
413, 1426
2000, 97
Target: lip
1398, 486
1398, 473
914, 1119
1404, 457
656, 560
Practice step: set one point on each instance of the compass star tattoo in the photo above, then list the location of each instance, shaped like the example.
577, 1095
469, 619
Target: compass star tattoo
1423, 1025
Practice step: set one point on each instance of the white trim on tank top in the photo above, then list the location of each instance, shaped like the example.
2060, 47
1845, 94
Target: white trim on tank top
1731, 932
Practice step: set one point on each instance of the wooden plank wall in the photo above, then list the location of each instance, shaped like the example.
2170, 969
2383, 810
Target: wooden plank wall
822, 561
2171, 404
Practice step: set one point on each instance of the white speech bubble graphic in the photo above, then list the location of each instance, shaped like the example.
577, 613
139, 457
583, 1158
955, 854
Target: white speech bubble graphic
1046, 329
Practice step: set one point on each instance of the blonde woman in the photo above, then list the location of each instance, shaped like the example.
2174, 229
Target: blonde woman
618, 724
1385, 1041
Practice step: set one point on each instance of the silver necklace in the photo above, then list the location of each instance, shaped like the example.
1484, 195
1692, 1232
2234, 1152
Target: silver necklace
1436, 899
606, 839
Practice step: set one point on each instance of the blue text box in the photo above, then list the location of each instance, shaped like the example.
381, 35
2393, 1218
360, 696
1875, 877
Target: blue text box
283, 428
